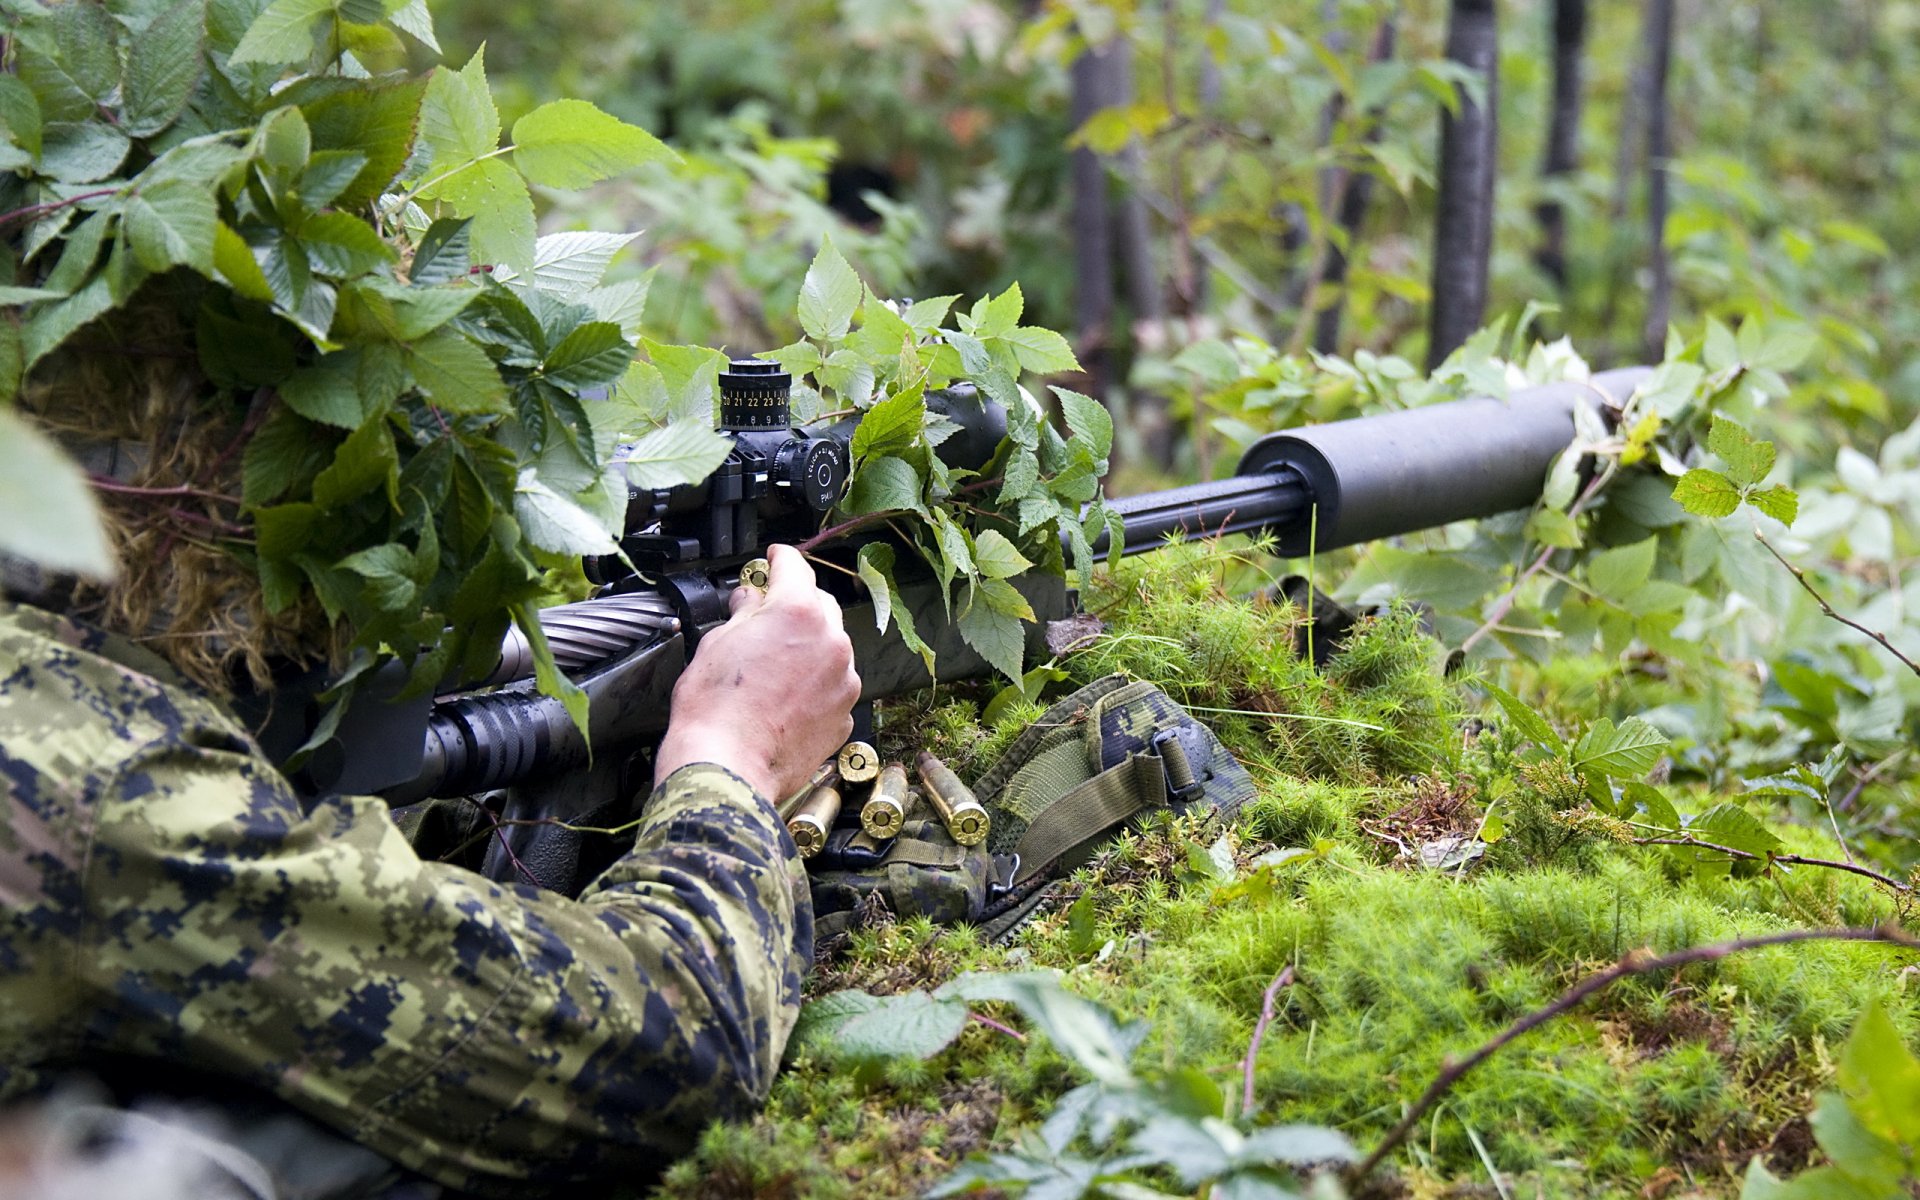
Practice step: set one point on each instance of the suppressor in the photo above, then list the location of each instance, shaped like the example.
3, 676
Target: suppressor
963, 815
886, 812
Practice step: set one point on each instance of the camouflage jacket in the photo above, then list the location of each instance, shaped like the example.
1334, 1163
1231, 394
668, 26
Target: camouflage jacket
163, 896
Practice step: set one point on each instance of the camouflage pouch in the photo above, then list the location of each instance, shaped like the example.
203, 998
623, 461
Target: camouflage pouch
1095, 762
921, 872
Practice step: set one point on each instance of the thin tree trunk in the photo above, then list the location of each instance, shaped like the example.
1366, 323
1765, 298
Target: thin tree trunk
1355, 192
1469, 145
1659, 57
1563, 134
1197, 286
1092, 228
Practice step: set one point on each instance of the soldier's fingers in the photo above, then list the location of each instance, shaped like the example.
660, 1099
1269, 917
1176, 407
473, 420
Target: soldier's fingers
745, 599
788, 572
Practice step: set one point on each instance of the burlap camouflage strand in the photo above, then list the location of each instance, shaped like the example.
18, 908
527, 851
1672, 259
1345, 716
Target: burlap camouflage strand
166, 897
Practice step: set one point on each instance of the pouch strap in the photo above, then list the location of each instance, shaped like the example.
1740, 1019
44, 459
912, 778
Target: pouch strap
1086, 813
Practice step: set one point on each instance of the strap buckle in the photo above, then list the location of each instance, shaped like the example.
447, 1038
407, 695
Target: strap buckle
1182, 784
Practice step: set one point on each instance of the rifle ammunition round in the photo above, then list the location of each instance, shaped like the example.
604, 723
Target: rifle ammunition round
859, 762
757, 574
963, 815
813, 820
886, 812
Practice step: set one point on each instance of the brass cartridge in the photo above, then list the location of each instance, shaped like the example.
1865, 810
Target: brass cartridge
813, 820
859, 762
758, 573
827, 772
886, 812
959, 811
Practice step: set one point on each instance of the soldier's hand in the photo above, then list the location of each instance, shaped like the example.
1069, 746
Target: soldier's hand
770, 694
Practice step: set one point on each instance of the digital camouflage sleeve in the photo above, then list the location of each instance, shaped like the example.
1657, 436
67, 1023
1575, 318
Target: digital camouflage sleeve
163, 895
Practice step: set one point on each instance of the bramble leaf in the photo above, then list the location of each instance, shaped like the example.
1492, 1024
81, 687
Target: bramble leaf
1780, 502
829, 294
1629, 750
52, 519
163, 64
572, 144
1748, 459
1706, 493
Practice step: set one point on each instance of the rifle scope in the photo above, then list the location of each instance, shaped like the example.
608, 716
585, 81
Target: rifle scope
1322, 487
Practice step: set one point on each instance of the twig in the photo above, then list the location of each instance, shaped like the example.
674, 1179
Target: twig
102, 483
1283, 979
39, 210
1791, 859
1505, 603
846, 527
1801, 575
990, 1023
499, 827
1637, 962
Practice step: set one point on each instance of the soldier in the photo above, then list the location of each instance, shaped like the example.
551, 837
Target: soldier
167, 905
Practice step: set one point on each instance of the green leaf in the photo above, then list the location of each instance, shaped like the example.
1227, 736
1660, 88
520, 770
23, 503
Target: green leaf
1630, 750
996, 557
1881, 1078
414, 20
163, 64
1647, 804
554, 522
572, 144
1526, 719
1003, 597
47, 511
21, 123
55, 323
998, 316
875, 567
172, 224
1735, 828
685, 451
1617, 574
568, 264
494, 195
82, 151
365, 460
343, 246
86, 37
282, 456
1041, 351
456, 374
328, 391
829, 294
885, 485
998, 637
1780, 502
1089, 420
925, 316
283, 33
1870, 1162
1706, 493
387, 569
442, 255
547, 675
327, 175
458, 121
376, 120
234, 261
891, 426
883, 336
1748, 459
594, 353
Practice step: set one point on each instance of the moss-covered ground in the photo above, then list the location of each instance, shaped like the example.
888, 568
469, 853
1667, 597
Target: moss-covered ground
1665, 1085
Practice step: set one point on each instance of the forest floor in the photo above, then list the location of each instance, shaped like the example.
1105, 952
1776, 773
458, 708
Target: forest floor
1663, 1085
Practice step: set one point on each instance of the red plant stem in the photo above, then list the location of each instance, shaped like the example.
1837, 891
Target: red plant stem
1792, 859
103, 484
500, 829
990, 1023
38, 210
1284, 978
1800, 576
1637, 962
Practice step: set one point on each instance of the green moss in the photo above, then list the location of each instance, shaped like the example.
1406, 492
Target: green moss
1397, 968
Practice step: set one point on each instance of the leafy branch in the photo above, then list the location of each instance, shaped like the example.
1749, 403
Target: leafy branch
1800, 576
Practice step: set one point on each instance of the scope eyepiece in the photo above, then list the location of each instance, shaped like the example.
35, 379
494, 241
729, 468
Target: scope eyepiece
754, 394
